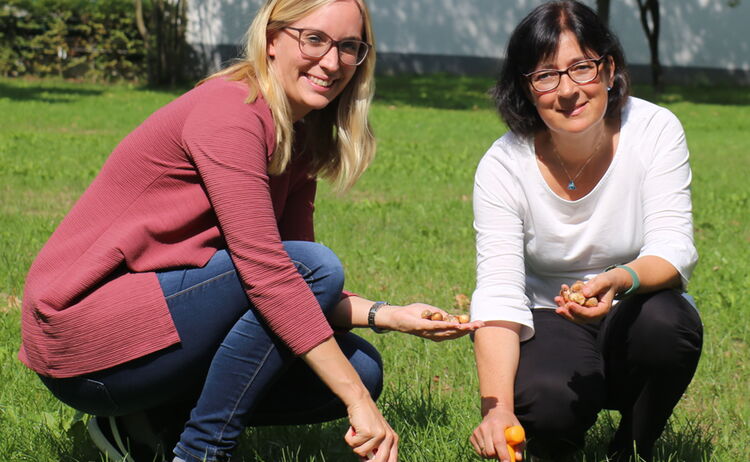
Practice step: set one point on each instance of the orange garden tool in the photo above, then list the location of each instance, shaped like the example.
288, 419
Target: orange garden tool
514, 436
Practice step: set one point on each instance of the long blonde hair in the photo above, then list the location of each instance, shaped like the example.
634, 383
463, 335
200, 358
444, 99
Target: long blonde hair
339, 137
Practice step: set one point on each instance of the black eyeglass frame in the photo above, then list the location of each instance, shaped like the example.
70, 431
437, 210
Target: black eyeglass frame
566, 71
331, 44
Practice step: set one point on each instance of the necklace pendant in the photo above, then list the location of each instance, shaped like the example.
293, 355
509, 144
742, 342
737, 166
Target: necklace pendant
571, 185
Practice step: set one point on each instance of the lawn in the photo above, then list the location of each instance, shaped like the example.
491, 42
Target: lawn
404, 234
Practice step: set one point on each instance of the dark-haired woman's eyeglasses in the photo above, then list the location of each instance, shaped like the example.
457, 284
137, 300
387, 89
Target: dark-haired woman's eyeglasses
581, 72
315, 44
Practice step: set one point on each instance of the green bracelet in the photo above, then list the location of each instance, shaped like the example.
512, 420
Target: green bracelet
636, 281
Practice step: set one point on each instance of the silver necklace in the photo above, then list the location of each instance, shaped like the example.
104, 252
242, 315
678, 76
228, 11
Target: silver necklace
572, 181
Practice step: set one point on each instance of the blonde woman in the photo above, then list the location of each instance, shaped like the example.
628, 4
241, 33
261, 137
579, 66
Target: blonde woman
176, 299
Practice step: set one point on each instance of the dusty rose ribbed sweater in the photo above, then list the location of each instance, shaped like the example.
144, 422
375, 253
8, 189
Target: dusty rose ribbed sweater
188, 181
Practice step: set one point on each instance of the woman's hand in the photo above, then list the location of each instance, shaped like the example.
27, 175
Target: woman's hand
370, 436
604, 286
408, 319
369, 433
488, 439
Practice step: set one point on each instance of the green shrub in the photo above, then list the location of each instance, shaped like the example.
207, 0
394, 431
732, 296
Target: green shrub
95, 40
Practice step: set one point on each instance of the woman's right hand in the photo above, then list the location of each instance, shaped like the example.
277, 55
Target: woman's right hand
604, 286
488, 439
370, 435
408, 319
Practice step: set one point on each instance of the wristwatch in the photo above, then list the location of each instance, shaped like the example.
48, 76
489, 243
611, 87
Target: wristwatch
371, 317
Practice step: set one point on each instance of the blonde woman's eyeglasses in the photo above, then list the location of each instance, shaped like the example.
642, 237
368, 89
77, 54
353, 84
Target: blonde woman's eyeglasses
315, 44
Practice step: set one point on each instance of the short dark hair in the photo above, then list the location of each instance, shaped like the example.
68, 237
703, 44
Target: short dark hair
535, 38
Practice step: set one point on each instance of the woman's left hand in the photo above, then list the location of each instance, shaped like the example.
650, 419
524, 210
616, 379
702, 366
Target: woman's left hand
604, 286
408, 319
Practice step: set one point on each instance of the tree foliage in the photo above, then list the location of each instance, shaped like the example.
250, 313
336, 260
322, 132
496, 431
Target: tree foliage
162, 28
70, 38
94, 40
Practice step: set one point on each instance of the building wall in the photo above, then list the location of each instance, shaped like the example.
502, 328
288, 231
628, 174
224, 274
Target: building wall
700, 39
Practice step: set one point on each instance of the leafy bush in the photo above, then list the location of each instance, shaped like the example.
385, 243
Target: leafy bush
95, 40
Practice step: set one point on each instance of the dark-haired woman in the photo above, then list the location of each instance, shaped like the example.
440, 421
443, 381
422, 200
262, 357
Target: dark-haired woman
590, 184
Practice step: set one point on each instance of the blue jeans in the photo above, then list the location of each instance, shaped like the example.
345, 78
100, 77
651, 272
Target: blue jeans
229, 368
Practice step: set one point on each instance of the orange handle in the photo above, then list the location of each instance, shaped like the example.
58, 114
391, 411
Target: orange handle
514, 436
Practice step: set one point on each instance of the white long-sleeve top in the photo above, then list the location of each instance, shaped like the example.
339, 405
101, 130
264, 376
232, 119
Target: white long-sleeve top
530, 241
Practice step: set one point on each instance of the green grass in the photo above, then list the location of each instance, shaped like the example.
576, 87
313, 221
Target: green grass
404, 234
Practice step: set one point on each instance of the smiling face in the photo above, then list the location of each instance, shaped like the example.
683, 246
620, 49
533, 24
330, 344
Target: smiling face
312, 83
572, 108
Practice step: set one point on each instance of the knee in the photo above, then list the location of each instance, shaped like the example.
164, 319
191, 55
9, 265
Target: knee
366, 360
321, 269
328, 281
369, 366
372, 378
555, 409
668, 332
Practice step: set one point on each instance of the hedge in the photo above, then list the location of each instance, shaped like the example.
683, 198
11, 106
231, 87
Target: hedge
94, 40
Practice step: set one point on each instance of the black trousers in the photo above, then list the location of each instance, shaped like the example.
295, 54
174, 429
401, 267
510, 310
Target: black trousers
638, 360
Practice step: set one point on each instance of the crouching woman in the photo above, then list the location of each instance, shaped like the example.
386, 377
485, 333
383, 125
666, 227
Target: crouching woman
183, 298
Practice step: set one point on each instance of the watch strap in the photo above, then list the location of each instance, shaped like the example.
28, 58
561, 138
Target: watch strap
371, 317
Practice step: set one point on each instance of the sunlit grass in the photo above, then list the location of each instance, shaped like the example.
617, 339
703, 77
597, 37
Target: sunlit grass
404, 234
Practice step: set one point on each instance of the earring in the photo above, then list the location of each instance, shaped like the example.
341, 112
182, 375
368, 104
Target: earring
609, 88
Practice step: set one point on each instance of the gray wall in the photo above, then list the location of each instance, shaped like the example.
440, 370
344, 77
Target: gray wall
702, 40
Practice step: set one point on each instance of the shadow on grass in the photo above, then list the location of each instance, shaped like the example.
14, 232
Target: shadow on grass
443, 91
80, 447
440, 91
325, 442
405, 408
294, 443
681, 441
258, 444
46, 93
699, 94
689, 443
175, 89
